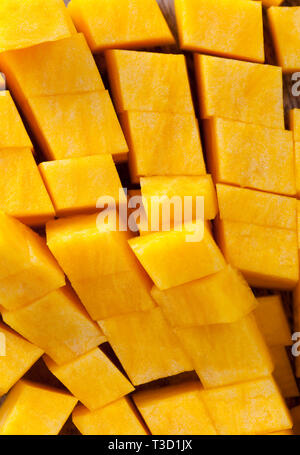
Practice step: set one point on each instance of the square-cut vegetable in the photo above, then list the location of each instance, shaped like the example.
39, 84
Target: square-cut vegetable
19, 356
146, 346
221, 27
92, 378
148, 133
34, 409
267, 257
75, 185
161, 86
13, 132
241, 91
272, 321
175, 410
283, 372
109, 24
251, 156
115, 419
57, 324
227, 353
76, 124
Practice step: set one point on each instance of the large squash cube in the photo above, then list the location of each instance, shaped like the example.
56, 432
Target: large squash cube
24, 24
75, 125
52, 68
148, 133
34, 409
211, 27
13, 133
28, 270
92, 378
223, 297
146, 346
19, 356
22, 192
75, 185
241, 91
102, 22
100, 265
57, 324
284, 25
267, 257
175, 410
272, 321
162, 85
227, 353
195, 257
264, 209
248, 408
115, 419
283, 372
251, 156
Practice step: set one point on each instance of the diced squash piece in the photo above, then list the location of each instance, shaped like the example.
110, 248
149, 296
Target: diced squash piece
283, 372
100, 265
34, 409
264, 209
267, 257
29, 201
52, 68
19, 358
249, 408
157, 191
75, 185
251, 156
145, 345
109, 24
241, 91
223, 297
13, 133
294, 117
175, 410
115, 419
148, 133
162, 85
196, 257
92, 378
211, 27
75, 125
284, 24
28, 271
272, 321
57, 324
24, 24
227, 353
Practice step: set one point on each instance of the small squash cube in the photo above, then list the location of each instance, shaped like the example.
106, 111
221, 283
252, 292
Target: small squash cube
146, 346
34, 409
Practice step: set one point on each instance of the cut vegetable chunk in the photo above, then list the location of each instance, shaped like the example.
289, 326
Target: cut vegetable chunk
241, 91
92, 378
175, 410
13, 133
146, 346
34, 409
57, 324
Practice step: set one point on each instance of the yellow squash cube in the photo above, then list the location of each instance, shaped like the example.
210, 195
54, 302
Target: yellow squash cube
241, 91
57, 324
221, 27
34, 409
115, 419
146, 346
162, 85
223, 297
13, 132
120, 23
175, 410
75, 185
283, 372
19, 358
100, 265
92, 378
